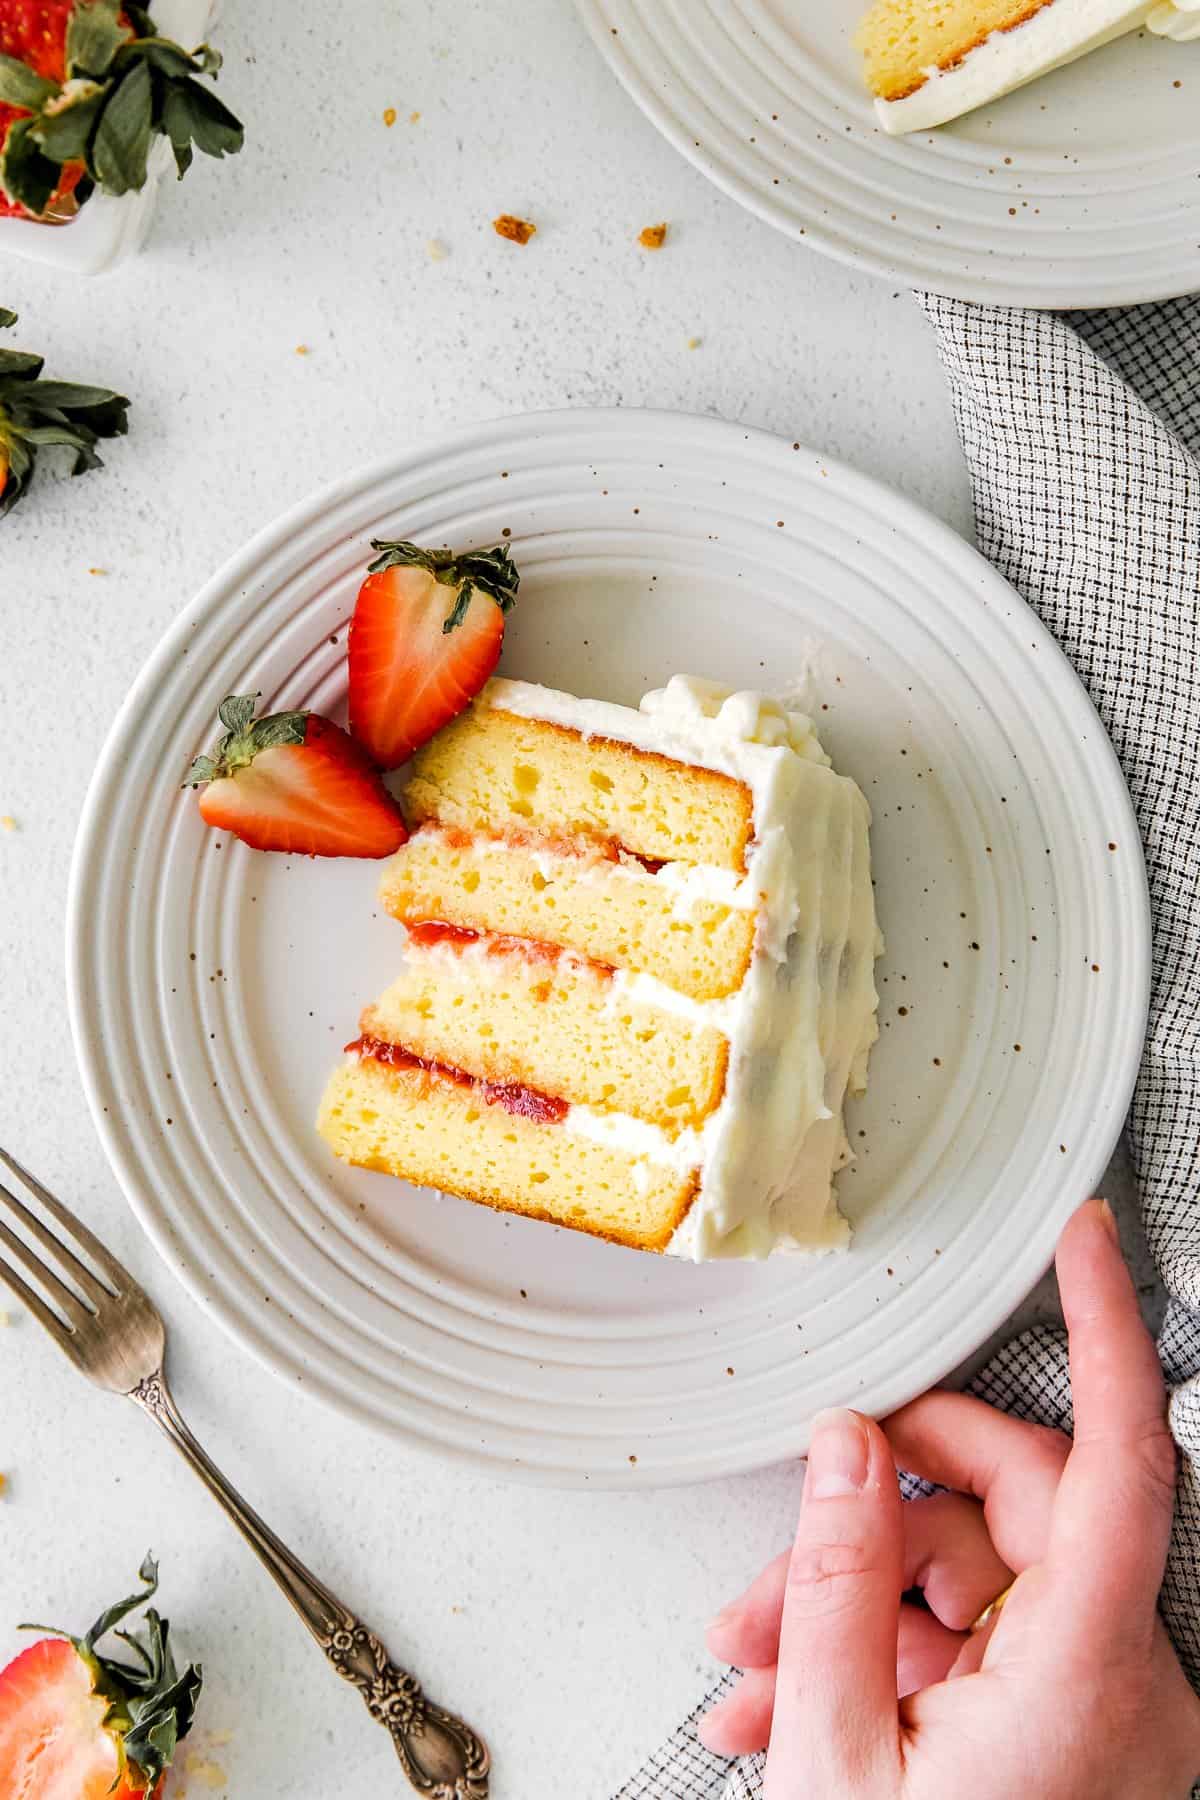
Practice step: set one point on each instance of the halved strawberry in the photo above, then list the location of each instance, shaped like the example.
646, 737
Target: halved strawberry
78, 1725
425, 636
297, 782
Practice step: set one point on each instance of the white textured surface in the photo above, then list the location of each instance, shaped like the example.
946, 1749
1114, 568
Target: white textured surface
577, 1638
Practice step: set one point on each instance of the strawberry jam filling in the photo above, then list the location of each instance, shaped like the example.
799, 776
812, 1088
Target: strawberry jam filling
585, 847
513, 1096
426, 933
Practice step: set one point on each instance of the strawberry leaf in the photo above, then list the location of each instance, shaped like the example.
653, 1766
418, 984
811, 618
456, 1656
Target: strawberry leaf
192, 113
63, 134
19, 365
112, 1615
75, 396
21, 86
122, 143
171, 59
7, 317
27, 176
237, 712
203, 769
94, 35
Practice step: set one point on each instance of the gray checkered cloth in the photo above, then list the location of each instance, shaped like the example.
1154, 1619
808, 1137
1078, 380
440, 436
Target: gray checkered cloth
1082, 433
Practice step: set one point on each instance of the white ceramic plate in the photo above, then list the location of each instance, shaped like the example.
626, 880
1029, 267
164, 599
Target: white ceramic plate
1080, 190
212, 988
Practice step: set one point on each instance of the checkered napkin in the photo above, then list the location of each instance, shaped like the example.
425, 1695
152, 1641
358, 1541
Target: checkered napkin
1082, 433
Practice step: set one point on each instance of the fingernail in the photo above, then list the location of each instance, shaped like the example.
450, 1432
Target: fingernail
838, 1456
1108, 1219
722, 1618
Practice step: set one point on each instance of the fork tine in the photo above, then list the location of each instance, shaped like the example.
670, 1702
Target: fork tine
94, 1291
72, 1307
119, 1278
37, 1306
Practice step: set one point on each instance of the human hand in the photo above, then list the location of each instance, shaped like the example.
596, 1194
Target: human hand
1072, 1691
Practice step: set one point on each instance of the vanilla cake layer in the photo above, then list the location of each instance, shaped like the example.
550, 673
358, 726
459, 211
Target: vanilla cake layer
667, 925
437, 1131
901, 40
555, 1024
929, 61
494, 770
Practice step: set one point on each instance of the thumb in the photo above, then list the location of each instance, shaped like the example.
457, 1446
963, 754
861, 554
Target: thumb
836, 1723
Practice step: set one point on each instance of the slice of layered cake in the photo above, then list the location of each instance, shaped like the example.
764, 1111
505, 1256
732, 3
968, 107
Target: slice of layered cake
928, 61
638, 979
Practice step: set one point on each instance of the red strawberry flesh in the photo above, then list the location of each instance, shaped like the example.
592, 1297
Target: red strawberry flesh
53, 1744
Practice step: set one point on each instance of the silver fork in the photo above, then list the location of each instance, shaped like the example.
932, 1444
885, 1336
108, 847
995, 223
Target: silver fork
112, 1331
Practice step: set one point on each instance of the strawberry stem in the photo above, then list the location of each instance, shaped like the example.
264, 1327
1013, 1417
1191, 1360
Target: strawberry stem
244, 737
493, 572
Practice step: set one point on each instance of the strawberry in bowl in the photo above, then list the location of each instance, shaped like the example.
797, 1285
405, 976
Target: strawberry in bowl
86, 87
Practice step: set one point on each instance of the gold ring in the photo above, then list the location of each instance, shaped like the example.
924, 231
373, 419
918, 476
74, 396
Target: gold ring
991, 1609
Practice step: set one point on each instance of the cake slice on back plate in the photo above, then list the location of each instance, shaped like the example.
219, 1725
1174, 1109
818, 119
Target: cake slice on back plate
928, 61
639, 972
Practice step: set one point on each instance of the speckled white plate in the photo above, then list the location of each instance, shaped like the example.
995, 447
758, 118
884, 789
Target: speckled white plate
212, 988
1080, 190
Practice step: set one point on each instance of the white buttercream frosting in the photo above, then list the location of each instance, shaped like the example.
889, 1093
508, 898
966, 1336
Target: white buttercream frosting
1057, 34
1178, 19
802, 1024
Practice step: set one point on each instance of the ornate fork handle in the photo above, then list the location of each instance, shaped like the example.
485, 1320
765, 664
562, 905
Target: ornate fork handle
442, 1758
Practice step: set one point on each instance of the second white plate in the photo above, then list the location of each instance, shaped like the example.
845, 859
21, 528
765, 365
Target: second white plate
212, 988
1080, 190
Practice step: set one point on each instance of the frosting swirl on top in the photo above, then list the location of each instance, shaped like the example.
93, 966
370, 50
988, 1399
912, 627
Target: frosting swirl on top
743, 717
1178, 19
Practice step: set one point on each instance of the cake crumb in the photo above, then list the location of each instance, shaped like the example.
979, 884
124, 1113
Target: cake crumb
653, 237
414, 118
517, 231
435, 250
694, 343
7, 822
97, 571
302, 350
389, 116
206, 1773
